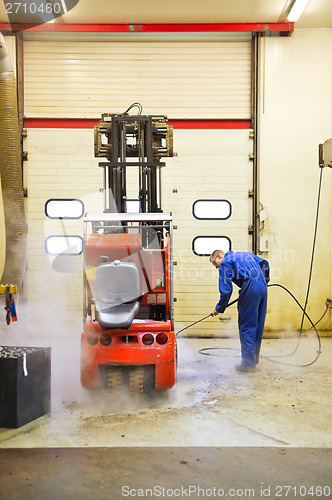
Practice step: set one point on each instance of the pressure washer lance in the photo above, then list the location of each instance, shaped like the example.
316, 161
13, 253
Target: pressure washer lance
202, 319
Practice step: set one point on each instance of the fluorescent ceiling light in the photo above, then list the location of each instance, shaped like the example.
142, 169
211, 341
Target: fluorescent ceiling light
297, 10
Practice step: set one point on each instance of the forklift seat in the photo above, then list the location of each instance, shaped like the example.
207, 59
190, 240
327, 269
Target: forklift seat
117, 294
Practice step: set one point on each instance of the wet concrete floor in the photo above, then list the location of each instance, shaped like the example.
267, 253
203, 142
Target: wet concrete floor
215, 428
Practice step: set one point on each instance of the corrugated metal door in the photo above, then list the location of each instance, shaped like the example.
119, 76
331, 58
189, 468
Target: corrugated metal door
179, 79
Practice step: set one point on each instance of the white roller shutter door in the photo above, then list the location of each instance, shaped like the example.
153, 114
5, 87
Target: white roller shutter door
60, 165
211, 165
178, 79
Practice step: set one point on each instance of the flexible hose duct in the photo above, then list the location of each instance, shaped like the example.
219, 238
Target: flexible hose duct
11, 174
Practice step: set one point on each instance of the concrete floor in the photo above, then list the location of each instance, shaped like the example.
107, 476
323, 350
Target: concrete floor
269, 422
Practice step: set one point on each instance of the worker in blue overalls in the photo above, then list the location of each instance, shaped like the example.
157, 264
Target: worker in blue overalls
251, 274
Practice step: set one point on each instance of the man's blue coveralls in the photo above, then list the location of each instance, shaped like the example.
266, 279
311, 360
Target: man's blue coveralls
251, 274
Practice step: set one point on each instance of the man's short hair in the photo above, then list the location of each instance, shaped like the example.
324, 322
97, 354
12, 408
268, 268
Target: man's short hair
215, 253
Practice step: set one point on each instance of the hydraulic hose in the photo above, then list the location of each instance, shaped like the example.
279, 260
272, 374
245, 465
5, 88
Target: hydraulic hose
11, 174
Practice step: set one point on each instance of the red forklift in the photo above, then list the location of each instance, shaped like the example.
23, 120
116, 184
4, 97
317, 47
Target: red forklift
128, 338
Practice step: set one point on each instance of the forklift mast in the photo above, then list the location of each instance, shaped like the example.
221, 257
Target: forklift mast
133, 141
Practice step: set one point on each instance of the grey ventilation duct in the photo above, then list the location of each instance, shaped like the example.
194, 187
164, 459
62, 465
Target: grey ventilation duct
11, 174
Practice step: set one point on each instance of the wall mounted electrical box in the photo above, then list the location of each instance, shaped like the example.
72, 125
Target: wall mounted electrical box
325, 154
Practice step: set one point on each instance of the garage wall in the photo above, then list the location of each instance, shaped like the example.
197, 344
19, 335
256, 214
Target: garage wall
296, 115
180, 79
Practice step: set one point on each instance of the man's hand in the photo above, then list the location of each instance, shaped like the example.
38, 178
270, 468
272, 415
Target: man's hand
214, 313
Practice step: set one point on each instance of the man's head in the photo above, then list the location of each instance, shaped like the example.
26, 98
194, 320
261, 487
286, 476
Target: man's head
216, 257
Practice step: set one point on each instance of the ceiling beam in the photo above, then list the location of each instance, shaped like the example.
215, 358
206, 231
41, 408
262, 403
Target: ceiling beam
282, 29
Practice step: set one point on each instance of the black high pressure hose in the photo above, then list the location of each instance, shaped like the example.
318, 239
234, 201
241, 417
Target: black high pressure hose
270, 358
313, 246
